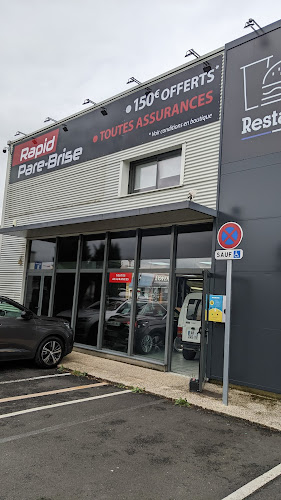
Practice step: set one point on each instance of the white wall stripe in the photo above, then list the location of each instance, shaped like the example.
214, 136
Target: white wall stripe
65, 403
255, 485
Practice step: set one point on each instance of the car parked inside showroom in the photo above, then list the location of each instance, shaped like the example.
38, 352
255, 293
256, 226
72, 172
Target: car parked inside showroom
150, 328
24, 335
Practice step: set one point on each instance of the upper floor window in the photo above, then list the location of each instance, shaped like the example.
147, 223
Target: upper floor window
156, 172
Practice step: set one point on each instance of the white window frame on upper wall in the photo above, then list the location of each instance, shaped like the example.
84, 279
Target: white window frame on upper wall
125, 166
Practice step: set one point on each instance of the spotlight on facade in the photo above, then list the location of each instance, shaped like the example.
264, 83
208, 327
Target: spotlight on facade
64, 128
33, 140
147, 91
206, 67
133, 80
251, 23
88, 101
49, 119
192, 52
19, 133
6, 148
103, 111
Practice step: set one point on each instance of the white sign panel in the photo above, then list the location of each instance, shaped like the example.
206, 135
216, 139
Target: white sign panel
228, 254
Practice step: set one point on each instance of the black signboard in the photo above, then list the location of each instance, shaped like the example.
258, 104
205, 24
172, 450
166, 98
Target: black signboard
252, 109
185, 100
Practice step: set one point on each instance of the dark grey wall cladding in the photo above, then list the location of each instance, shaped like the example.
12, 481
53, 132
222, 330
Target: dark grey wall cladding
250, 194
252, 197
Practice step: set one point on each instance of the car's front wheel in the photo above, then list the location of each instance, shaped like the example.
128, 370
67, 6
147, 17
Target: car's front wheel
49, 352
149, 342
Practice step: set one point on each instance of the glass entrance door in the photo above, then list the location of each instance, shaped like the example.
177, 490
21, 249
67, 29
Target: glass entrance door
38, 292
188, 304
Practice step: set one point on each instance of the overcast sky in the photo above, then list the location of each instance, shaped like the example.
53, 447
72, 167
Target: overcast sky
56, 53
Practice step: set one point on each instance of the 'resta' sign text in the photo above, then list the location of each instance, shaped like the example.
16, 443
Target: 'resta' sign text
252, 116
184, 100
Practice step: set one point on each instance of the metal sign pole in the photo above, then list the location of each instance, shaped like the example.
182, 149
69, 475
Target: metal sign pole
227, 333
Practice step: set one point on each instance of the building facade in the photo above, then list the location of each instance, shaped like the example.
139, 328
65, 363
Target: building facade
110, 217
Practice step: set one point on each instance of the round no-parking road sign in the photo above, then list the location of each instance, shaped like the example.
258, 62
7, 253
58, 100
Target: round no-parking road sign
230, 235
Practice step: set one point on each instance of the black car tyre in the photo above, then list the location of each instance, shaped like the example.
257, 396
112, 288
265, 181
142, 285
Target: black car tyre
177, 345
149, 342
188, 354
49, 352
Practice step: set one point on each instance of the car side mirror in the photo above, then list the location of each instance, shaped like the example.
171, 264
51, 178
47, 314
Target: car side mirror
26, 315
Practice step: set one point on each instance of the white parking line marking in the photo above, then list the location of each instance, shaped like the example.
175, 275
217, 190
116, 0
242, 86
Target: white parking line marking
48, 393
67, 425
255, 485
66, 403
35, 378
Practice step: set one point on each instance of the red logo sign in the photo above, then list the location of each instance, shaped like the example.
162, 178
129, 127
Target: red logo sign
230, 235
41, 146
120, 277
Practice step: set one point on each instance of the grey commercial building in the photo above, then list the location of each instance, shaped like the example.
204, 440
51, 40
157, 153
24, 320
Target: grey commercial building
110, 216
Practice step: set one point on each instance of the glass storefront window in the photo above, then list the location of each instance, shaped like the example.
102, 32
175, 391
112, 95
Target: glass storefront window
194, 248
42, 254
155, 249
150, 324
67, 252
93, 252
87, 320
32, 293
117, 311
122, 250
64, 295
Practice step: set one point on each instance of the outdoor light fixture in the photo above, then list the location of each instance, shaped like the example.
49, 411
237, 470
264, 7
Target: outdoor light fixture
49, 119
147, 91
192, 52
103, 111
19, 132
133, 80
33, 140
251, 23
6, 148
64, 128
206, 66
88, 101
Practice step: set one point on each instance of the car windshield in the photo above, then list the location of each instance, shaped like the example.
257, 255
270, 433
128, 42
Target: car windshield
153, 309
126, 308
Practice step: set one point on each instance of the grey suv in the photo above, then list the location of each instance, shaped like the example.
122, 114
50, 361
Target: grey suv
23, 335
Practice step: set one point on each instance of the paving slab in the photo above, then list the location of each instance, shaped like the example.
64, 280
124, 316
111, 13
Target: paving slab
254, 408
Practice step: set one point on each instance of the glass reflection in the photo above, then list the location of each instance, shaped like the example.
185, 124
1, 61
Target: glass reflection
64, 295
118, 309
67, 252
150, 325
87, 320
42, 254
32, 293
155, 249
92, 252
194, 247
122, 251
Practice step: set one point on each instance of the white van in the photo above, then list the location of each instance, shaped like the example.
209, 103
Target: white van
189, 324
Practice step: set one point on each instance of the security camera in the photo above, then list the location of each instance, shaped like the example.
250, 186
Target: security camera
192, 194
5, 150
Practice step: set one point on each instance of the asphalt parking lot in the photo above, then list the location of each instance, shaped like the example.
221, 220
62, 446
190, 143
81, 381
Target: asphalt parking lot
65, 436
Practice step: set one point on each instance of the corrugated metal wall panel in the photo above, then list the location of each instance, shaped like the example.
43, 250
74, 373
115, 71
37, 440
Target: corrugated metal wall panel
93, 187
11, 272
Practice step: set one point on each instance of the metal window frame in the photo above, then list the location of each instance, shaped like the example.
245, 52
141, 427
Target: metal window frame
171, 301
103, 291
143, 162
